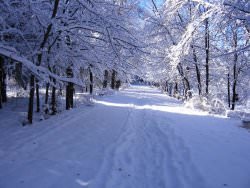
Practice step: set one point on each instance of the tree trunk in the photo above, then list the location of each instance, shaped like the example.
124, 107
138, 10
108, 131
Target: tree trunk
198, 74
1, 78
18, 75
69, 90
117, 84
53, 99
170, 89
46, 108
184, 91
3, 84
186, 84
37, 97
67, 97
187, 87
176, 89
235, 74
207, 45
228, 90
105, 81
47, 94
166, 86
234, 94
113, 77
71, 95
31, 99
91, 82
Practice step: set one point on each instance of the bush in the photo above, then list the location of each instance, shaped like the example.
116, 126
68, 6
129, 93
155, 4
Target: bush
198, 102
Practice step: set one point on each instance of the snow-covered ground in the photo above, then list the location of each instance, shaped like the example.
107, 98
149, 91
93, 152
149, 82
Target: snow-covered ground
136, 138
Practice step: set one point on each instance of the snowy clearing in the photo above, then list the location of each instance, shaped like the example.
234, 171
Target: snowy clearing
137, 138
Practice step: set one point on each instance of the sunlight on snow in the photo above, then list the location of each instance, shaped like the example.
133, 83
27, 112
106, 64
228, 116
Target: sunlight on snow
171, 109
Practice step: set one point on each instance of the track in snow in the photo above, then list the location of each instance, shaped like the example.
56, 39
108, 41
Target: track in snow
148, 153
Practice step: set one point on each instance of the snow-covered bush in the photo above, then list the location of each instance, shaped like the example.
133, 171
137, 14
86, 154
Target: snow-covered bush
214, 106
198, 102
217, 107
105, 91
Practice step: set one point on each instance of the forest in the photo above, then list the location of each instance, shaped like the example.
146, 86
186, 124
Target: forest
186, 47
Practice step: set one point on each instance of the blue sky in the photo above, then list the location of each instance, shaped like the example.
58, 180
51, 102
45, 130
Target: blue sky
146, 3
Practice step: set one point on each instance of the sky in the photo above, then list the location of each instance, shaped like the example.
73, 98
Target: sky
148, 3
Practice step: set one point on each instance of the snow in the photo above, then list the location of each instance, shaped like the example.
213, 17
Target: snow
136, 138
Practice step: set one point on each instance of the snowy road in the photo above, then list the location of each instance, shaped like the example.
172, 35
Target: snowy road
137, 138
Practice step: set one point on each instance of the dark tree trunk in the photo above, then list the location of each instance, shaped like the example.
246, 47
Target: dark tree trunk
53, 99
207, 46
91, 82
18, 75
228, 90
186, 84
1, 79
117, 84
186, 88
37, 97
234, 94
105, 81
113, 79
67, 97
46, 109
69, 90
198, 74
71, 95
4, 85
170, 89
166, 86
235, 73
31, 98
68, 103
47, 94
184, 91
176, 89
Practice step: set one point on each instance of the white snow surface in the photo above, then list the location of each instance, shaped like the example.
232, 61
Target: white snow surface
136, 138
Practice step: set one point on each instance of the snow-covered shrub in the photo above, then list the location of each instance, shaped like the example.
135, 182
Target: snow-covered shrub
214, 106
198, 102
105, 91
88, 100
217, 107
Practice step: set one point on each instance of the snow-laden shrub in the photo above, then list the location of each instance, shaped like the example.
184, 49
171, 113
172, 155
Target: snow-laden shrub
198, 102
125, 85
214, 106
88, 100
105, 91
217, 107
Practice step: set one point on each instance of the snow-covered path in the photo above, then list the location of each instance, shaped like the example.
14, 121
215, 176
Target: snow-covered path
137, 138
